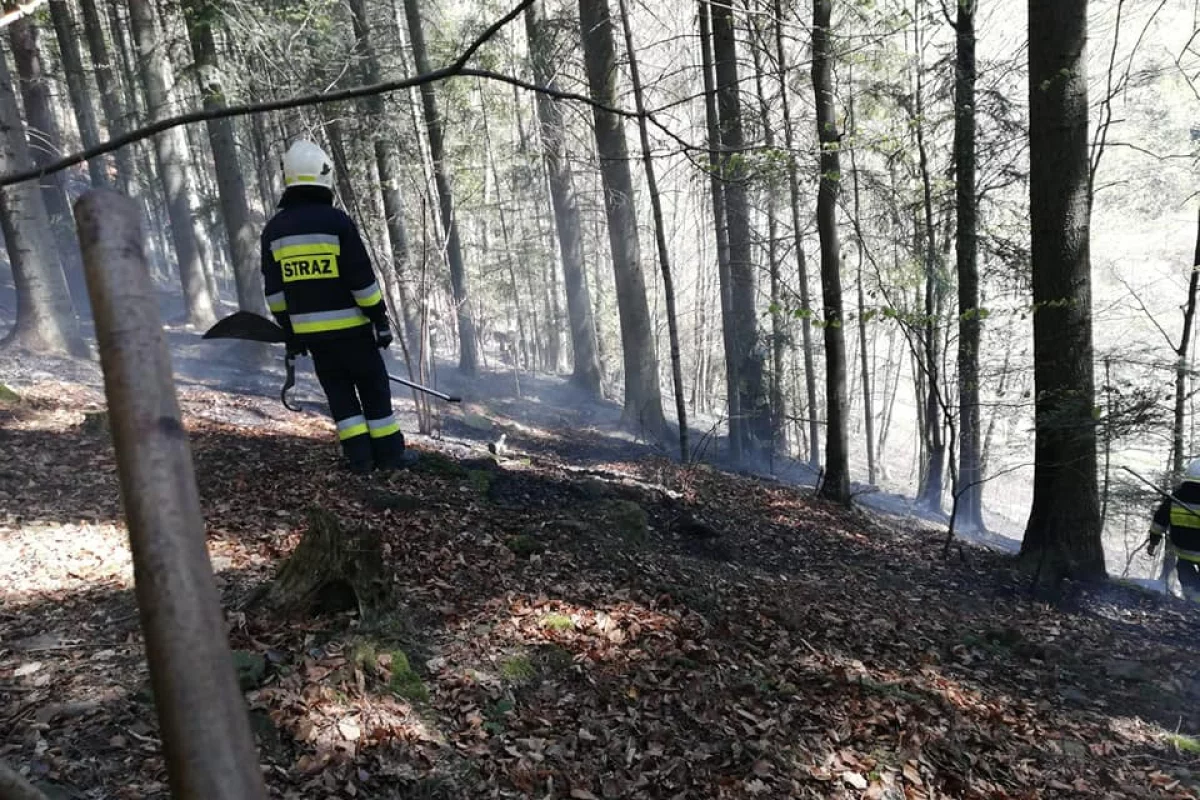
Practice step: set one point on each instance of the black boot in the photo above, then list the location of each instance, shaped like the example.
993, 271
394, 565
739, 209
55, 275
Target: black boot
358, 453
390, 453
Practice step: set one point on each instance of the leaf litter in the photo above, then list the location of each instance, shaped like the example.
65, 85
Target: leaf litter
749, 642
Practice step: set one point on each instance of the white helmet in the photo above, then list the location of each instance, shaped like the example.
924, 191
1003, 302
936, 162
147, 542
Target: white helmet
306, 164
1192, 473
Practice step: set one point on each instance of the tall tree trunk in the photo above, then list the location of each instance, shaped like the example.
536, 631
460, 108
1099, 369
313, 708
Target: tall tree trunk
45, 138
868, 401
46, 321
643, 400
1063, 535
387, 160
110, 95
144, 172
523, 183
755, 405
836, 485
492, 171
810, 375
468, 356
779, 322
201, 15
170, 149
81, 98
930, 494
660, 236
970, 476
720, 223
262, 161
1183, 365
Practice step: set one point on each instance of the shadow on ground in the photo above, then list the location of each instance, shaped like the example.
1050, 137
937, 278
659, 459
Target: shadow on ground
635, 629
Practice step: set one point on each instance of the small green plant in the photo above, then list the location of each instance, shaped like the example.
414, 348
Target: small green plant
1184, 744
406, 683
495, 714
8, 396
558, 622
518, 669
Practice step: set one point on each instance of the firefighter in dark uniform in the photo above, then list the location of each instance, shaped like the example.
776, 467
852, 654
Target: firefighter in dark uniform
322, 291
1183, 526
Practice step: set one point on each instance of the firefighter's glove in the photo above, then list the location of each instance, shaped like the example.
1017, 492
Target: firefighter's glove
1155, 539
383, 334
295, 348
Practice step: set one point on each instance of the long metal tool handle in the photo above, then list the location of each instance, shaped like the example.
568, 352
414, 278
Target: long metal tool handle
1166, 495
205, 730
449, 398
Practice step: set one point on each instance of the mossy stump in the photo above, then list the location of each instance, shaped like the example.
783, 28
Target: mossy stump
333, 569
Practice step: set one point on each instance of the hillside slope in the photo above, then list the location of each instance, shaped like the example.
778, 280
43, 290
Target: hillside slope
608, 627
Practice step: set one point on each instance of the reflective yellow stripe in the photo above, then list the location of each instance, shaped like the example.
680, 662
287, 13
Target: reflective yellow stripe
350, 433
383, 427
319, 321
350, 427
331, 325
277, 302
1183, 518
368, 296
297, 250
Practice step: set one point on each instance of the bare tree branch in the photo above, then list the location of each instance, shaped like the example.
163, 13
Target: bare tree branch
456, 69
1153, 320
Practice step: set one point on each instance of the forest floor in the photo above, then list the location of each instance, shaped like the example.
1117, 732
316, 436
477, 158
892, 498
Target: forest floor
580, 618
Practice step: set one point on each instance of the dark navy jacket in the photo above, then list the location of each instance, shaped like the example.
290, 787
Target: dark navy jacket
316, 272
1183, 524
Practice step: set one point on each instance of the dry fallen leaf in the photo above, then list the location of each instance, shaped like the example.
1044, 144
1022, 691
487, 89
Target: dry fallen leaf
854, 779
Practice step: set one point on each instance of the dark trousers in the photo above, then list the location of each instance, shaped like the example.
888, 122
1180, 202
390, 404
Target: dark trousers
1189, 578
353, 375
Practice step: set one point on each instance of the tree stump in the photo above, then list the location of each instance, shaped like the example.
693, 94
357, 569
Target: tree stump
333, 569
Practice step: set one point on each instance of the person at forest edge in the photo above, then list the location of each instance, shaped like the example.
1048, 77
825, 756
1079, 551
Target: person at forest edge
322, 291
1184, 526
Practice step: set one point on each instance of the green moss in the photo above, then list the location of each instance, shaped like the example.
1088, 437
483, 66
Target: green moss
558, 622
382, 500
251, 668
524, 545
553, 658
364, 656
629, 520
95, 423
439, 465
406, 683
8, 397
480, 480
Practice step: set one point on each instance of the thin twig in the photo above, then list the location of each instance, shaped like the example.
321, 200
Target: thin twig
457, 69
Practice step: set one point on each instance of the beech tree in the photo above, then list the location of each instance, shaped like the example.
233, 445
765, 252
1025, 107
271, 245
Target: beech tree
1062, 537
643, 398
